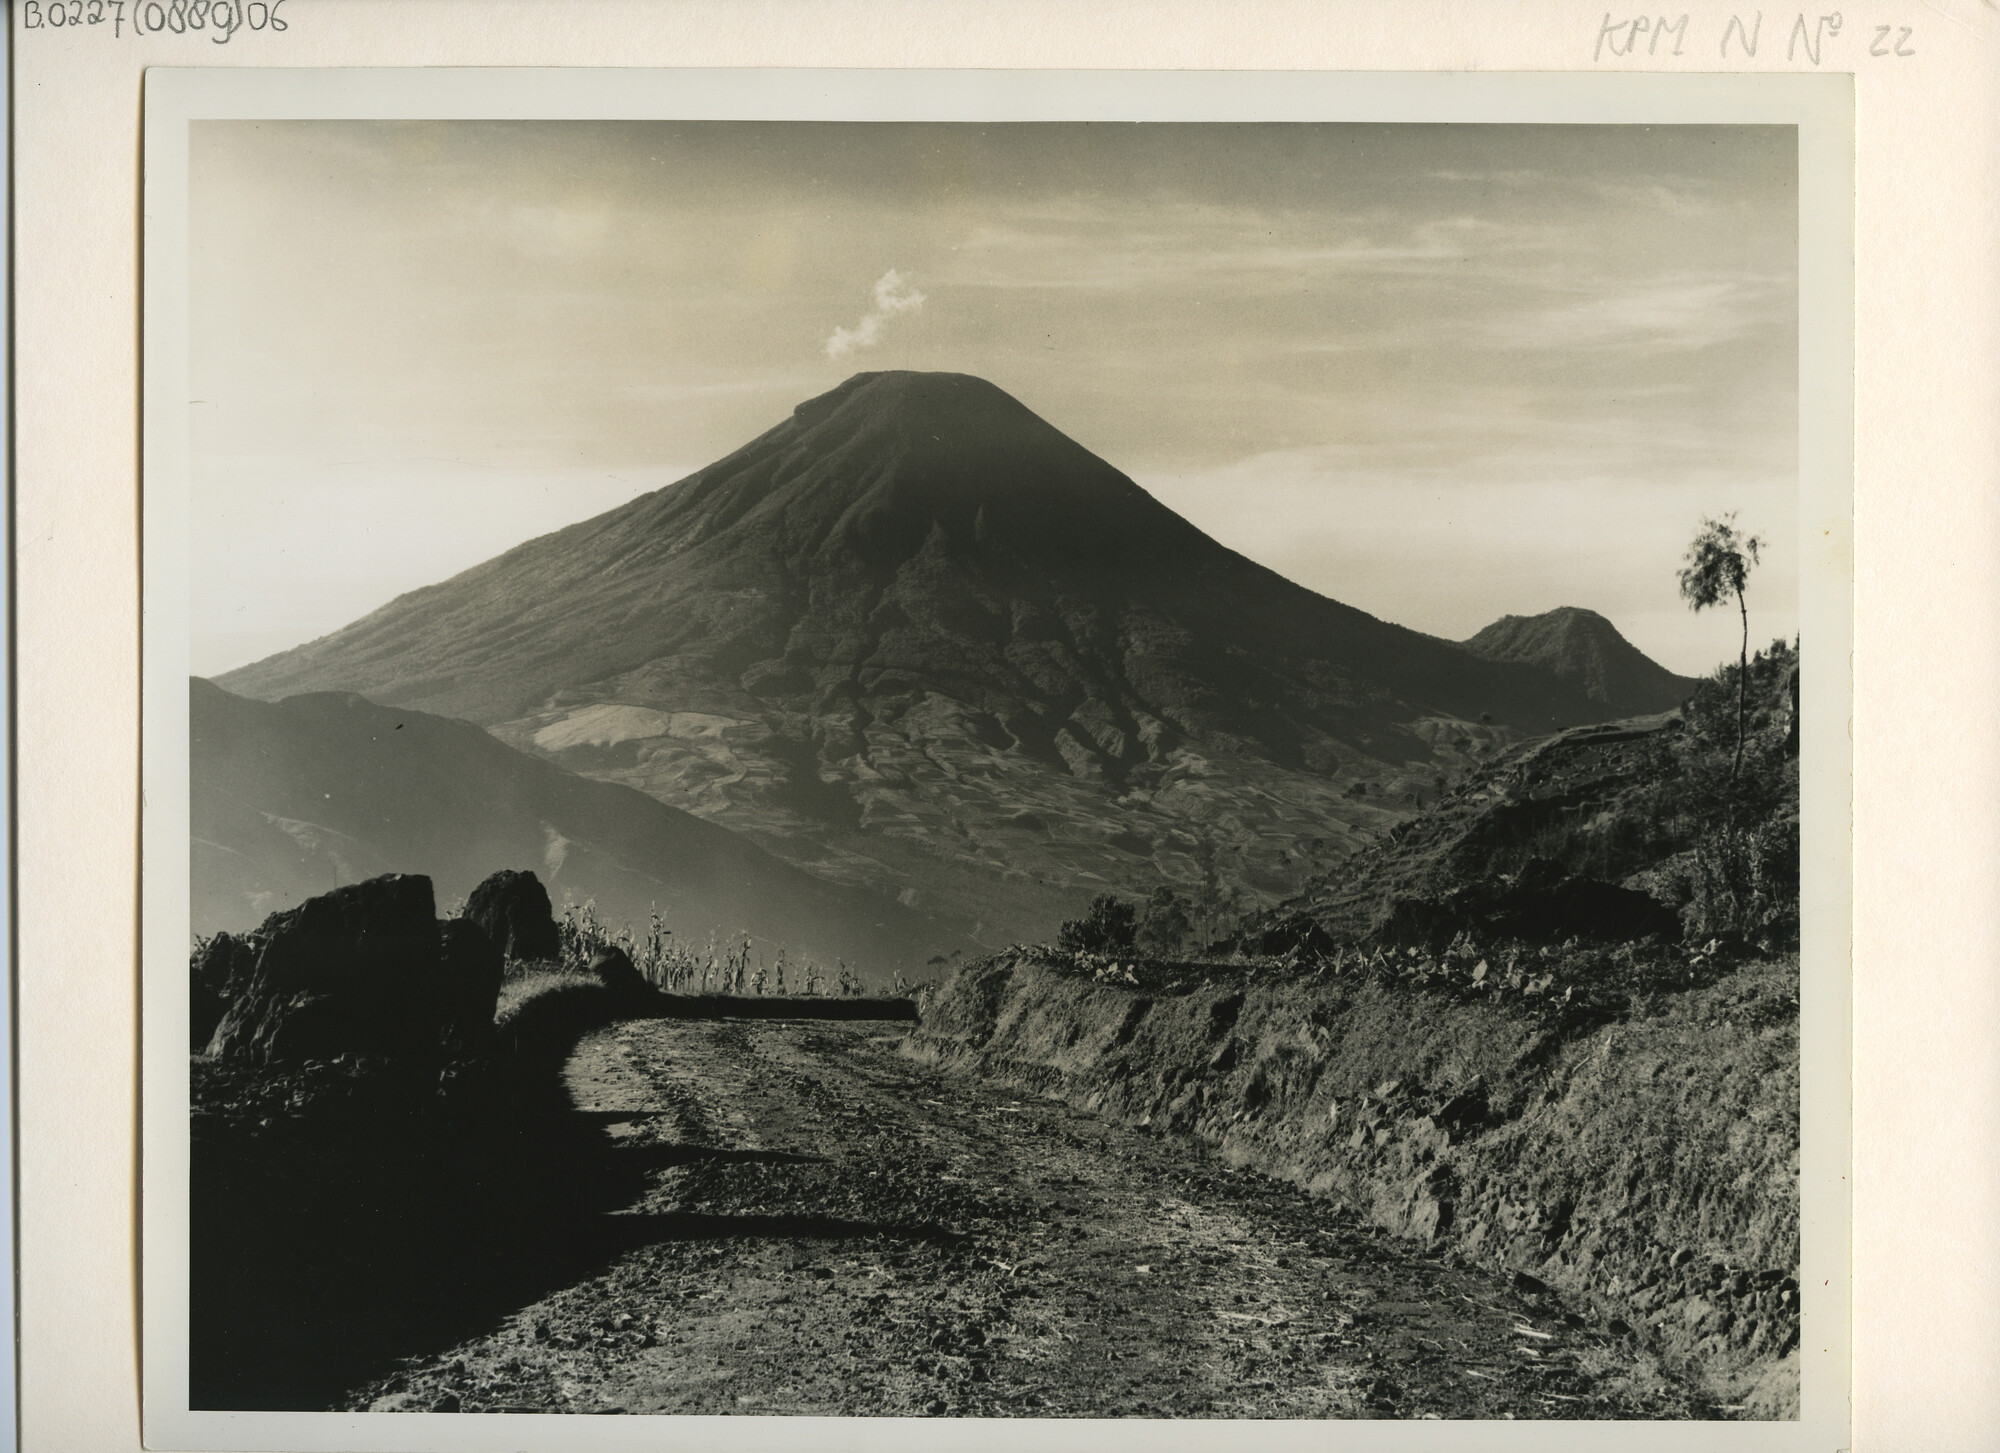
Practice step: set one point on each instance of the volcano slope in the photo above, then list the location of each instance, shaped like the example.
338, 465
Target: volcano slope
293, 798
915, 639
1552, 1025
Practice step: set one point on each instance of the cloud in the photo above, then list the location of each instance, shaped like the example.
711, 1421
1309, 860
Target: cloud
1492, 176
1250, 249
892, 296
1684, 314
685, 391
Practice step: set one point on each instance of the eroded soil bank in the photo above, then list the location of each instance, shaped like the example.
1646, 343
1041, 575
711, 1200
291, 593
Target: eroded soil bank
1645, 1168
824, 1224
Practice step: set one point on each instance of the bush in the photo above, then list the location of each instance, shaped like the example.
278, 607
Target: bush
1746, 881
1167, 927
1109, 927
524, 988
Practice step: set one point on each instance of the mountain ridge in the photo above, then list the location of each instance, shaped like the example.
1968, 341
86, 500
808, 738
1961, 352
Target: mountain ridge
293, 798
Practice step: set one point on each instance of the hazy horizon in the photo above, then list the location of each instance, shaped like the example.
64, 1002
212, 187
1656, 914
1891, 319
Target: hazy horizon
1442, 374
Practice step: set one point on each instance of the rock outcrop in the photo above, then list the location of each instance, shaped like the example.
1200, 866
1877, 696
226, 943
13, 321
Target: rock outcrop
216, 974
513, 909
355, 971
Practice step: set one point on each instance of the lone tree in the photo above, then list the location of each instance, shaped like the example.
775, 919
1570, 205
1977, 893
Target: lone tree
1718, 563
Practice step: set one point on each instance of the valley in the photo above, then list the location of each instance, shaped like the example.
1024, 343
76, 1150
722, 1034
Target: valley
296, 798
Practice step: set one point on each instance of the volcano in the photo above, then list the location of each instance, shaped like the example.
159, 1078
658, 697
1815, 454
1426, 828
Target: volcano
915, 638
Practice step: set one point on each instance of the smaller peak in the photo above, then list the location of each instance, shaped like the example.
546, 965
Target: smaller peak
1561, 618
1584, 648
1574, 620
1561, 613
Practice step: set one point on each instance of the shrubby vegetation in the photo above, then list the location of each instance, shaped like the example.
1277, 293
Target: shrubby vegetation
1730, 834
1170, 922
1109, 927
673, 966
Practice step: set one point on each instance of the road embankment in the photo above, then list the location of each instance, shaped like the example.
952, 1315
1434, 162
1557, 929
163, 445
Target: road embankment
1644, 1166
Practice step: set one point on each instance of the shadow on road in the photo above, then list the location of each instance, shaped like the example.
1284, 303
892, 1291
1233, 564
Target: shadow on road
652, 1228
664, 1157
324, 1249
329, 1244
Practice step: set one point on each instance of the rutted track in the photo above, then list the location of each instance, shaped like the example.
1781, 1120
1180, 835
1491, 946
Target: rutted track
827, 1227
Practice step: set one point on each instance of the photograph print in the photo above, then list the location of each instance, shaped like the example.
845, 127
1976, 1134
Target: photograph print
993, 770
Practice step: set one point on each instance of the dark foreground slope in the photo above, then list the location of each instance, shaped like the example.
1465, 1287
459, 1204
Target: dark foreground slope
379, 1149
915, 637
1584, 649
351, 1212
292, 798
383, 1156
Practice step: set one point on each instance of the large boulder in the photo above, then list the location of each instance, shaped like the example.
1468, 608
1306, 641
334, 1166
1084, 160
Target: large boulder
217, 972
354, 971
514, 910
470, 970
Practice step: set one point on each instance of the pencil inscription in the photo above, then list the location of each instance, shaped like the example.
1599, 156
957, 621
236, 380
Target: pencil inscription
218, 20
1654, 35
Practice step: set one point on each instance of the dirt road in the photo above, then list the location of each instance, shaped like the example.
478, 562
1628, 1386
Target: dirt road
829, 1227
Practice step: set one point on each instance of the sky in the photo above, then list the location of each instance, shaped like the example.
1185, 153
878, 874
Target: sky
1442, 373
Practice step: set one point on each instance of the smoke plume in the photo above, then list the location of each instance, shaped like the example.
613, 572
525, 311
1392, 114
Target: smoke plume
892, 296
